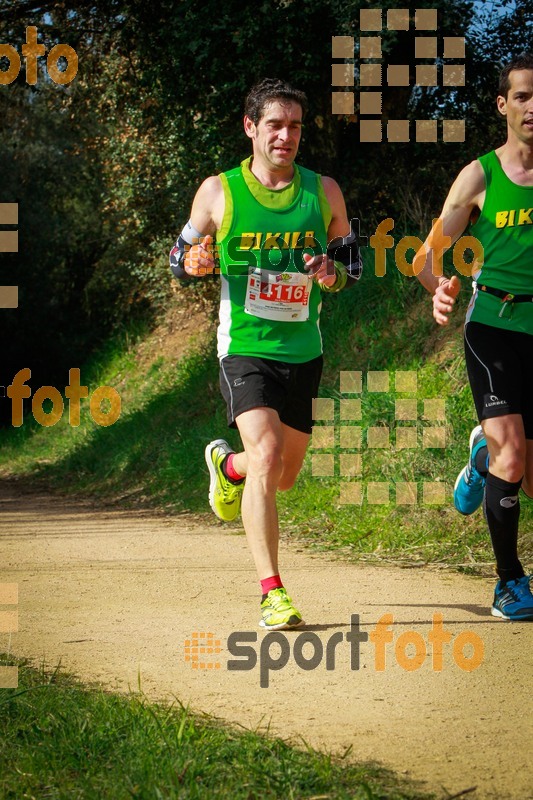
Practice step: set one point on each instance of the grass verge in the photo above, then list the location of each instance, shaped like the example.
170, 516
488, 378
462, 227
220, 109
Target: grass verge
60, 739
154, 452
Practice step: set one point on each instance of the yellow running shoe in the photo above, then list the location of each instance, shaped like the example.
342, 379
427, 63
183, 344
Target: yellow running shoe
278, 611
224, 496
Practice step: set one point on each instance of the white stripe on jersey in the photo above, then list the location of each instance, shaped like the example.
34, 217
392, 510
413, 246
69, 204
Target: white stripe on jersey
224, 316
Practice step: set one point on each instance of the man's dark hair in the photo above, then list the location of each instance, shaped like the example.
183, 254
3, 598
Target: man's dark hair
266, 91
523, 61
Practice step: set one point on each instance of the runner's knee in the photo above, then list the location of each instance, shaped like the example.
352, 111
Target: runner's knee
510, 466
264, 461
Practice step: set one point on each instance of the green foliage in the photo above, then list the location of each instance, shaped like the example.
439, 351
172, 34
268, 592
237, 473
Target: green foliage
105, 169
154, 453
59, 739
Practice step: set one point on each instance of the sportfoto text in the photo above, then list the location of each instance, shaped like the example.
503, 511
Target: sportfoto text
409, 649
283, 249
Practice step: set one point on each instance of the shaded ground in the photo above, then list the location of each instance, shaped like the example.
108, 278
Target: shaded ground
115, 595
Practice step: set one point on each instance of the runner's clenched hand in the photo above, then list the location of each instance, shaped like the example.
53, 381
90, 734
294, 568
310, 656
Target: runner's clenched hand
444, 298
321, 269
200, 259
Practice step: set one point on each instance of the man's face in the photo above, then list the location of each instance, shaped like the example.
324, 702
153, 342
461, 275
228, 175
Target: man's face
276, 136
518, 105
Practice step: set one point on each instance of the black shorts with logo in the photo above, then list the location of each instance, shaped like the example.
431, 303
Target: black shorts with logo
248, 382
500, 371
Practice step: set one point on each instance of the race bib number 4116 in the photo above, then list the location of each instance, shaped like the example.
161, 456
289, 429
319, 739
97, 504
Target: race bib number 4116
283, 297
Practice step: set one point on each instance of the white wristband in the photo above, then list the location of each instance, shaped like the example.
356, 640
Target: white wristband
191, 234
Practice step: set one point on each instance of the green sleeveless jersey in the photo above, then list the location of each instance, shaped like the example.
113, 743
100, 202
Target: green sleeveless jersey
269, 307
505, 230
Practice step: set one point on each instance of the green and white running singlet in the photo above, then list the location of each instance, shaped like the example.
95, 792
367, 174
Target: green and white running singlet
269, 306
505, 230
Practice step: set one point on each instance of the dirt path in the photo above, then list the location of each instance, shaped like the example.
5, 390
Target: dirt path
116, 593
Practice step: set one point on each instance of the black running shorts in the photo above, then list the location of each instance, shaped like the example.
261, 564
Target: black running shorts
248, 382
500, 371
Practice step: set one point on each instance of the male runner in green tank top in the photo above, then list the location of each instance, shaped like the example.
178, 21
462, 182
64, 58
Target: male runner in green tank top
273, 222
494, 194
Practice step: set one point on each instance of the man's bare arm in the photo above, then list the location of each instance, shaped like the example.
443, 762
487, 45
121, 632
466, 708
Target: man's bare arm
206, 209
343, 245
193, 253
339, 225
323, 267
466, 193
206, 216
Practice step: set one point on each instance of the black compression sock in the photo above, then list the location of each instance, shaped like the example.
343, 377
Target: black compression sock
502, 512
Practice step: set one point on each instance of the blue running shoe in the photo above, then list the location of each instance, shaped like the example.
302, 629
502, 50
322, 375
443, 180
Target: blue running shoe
513, 600
470, 485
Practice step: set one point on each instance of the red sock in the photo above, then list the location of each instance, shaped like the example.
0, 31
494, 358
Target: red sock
274, 582
229, 469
